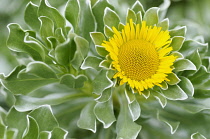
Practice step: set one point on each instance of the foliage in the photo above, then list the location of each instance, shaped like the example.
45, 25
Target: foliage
63, 86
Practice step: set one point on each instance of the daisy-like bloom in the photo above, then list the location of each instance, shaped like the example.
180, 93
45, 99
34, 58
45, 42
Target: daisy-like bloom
141, 55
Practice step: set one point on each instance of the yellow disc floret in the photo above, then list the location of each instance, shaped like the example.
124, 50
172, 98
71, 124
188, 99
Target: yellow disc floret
138, 59
140, 54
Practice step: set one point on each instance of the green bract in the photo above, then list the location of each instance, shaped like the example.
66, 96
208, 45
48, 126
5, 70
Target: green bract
64, 82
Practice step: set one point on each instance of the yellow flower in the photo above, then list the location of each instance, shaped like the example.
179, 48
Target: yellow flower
141, 55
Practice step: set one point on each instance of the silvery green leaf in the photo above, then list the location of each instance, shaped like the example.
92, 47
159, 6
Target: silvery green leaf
2, 130
139, 18
178, 55
184, 64
59, 35
87, 22
195, 58
131, 15
2, 115
161, 99
45, 135
206, 85
16, 120
68, 29
108, 31
18, 41
45, 9
97, 37
91, 62
151, 16
138, 7
36, 45
171, 123
31, 33
26, 103
146, 93
196, 105
105, 95
104, 113
41, 70
59, 133
65, 52
135, 110
32, 129
101, 50
101, 82
199, 39
44, 118
82, 48
98, 11
174, 92
72, 13
53, 42
177, 42
194, 108
197, 136
179, 31
164, 85
190, 46
164, 24
130, 96
105, 64
206, 63
25, 83
120, 26
73, 82
46, 29
12, 133
110, 74
202, 93
9, 97
186, 86
126, 128
111, 19
69, 113
200, 77
87, 118
173, 79
31, 16
105, 133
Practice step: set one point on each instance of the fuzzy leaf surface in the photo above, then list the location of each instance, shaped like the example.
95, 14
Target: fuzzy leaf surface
87, 118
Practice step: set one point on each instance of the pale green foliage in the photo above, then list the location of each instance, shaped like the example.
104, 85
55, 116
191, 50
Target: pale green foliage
64, 85
30, 124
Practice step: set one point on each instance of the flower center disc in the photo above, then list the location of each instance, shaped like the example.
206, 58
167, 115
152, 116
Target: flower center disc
138, 59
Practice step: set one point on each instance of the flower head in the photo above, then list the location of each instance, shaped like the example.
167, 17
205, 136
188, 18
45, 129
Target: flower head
141, 55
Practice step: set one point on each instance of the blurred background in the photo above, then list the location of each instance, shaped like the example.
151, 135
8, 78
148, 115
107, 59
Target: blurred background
192, 13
